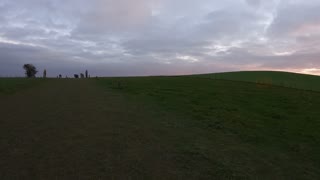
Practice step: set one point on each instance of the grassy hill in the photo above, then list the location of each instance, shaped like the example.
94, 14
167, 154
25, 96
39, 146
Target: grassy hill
230, 129
159, 127
292, 80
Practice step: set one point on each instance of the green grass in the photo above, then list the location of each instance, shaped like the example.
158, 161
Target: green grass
292, 80
158, 128
12, 85
232, 129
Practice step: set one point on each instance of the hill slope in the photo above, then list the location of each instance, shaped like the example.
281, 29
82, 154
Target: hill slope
158, 127
230, 129
292, 80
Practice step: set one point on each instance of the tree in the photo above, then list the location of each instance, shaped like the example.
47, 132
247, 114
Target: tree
31, 70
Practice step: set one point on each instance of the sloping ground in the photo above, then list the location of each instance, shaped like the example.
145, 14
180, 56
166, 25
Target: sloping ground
235, 130
71, 129
292, 80
159, 128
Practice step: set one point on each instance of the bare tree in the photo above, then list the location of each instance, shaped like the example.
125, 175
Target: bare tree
31, 70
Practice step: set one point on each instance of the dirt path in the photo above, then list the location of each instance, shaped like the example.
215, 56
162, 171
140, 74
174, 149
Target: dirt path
69, 129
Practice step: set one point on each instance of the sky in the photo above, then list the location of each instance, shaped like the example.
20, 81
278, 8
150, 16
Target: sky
159, 37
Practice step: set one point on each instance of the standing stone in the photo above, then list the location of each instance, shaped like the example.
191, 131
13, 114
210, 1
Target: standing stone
45, 73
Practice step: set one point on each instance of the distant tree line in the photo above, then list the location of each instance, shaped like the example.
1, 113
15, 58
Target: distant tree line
31, 71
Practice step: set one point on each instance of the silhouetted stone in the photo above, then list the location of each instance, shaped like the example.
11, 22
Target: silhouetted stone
82, 75
76, 76
45, 73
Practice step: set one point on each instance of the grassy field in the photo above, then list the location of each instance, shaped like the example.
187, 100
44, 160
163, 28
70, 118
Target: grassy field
11, 85
159, 128
292, 80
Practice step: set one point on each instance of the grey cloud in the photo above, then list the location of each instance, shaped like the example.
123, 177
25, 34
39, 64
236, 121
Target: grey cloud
163, 46
107, 16
230, 24
255, 3
148, 37
292, 16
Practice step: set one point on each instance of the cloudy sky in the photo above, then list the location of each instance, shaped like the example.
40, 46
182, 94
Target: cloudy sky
159, 37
